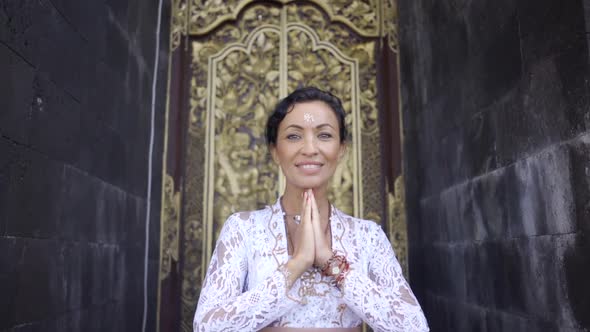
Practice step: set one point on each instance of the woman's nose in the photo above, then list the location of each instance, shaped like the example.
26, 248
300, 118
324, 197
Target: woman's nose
309, 146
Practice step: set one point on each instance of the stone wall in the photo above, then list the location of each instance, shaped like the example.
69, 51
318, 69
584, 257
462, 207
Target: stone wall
496, 109
75, 117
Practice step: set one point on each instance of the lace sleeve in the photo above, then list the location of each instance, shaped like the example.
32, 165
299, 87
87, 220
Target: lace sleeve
222, 304
383, 298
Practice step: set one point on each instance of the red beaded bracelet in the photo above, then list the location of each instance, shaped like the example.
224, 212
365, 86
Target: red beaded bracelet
336, 266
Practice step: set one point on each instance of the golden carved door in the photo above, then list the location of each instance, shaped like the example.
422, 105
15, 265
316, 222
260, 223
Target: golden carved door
231, 62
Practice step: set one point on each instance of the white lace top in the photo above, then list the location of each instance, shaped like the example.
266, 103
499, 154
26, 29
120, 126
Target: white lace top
245, 290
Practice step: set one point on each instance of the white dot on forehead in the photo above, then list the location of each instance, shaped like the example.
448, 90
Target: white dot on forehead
307, 117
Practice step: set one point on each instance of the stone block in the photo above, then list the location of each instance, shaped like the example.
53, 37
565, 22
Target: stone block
38, 32
576, 266
539, 195
580, 179
450, 315
12, 249
503, 321
537, 117
15, 95
548, 28
445, 273
88, 19
40, 283
99, 146
93, 210
18, 17
55, 121
33, 201
521, 276
8, 163
531, 197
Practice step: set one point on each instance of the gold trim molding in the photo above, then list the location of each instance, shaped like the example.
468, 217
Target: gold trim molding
397, 227
170, 217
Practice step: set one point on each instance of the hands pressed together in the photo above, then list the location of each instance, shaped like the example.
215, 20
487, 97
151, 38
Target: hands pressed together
311, 241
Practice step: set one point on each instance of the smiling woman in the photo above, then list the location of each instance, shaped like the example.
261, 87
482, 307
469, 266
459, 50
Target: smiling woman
302, 264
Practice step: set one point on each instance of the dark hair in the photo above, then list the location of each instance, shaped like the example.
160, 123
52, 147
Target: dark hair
302, 95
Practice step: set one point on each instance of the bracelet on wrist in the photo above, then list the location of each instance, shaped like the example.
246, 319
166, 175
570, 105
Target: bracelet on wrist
337, 267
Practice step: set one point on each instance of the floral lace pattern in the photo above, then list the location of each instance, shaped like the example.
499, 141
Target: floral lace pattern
245, 288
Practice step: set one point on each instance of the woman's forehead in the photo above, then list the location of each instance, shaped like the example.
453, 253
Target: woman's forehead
312, 114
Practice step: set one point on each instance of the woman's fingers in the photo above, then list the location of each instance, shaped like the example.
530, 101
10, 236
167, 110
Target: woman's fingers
303, 244
323, 249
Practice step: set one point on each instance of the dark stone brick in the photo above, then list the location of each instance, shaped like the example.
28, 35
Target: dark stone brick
8, 169
15, 95
40, 34
449, 315
88, 19
12, 249
501, 321
99, 146
55, 121
523, 276
539, 195
93, 210
549, 28
40, 286
34, 198
576, 264
580, 179
536, 117
445, 274
117, 37
107, 110
17, 18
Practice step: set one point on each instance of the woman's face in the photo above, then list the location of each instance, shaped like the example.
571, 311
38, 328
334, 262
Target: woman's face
308, 146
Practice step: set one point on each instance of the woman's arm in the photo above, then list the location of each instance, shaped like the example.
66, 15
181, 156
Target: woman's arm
383, 298
222, 305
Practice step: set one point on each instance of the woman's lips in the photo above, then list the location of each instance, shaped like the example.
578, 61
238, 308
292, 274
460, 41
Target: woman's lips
310, 167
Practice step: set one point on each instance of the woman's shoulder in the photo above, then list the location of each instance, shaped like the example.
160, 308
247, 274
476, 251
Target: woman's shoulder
359, 224
248, 218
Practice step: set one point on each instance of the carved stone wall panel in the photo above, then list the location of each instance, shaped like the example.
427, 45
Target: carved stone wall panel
244, 88
362, 16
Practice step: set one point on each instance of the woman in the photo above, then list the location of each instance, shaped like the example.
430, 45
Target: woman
301, 264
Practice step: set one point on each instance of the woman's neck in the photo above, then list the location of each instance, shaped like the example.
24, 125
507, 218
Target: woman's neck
293, 200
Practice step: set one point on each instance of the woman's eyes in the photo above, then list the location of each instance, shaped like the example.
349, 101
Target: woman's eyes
322, 136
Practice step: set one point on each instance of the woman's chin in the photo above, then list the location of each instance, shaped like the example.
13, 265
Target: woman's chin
304, 185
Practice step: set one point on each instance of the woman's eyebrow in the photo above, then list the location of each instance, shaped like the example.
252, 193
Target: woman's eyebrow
294, 126
320, 126
324, 125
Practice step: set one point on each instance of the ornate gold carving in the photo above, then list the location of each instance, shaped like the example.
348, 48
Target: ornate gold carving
178, 24
170, 221
390, 22
398, 230
362, 16
243, 88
